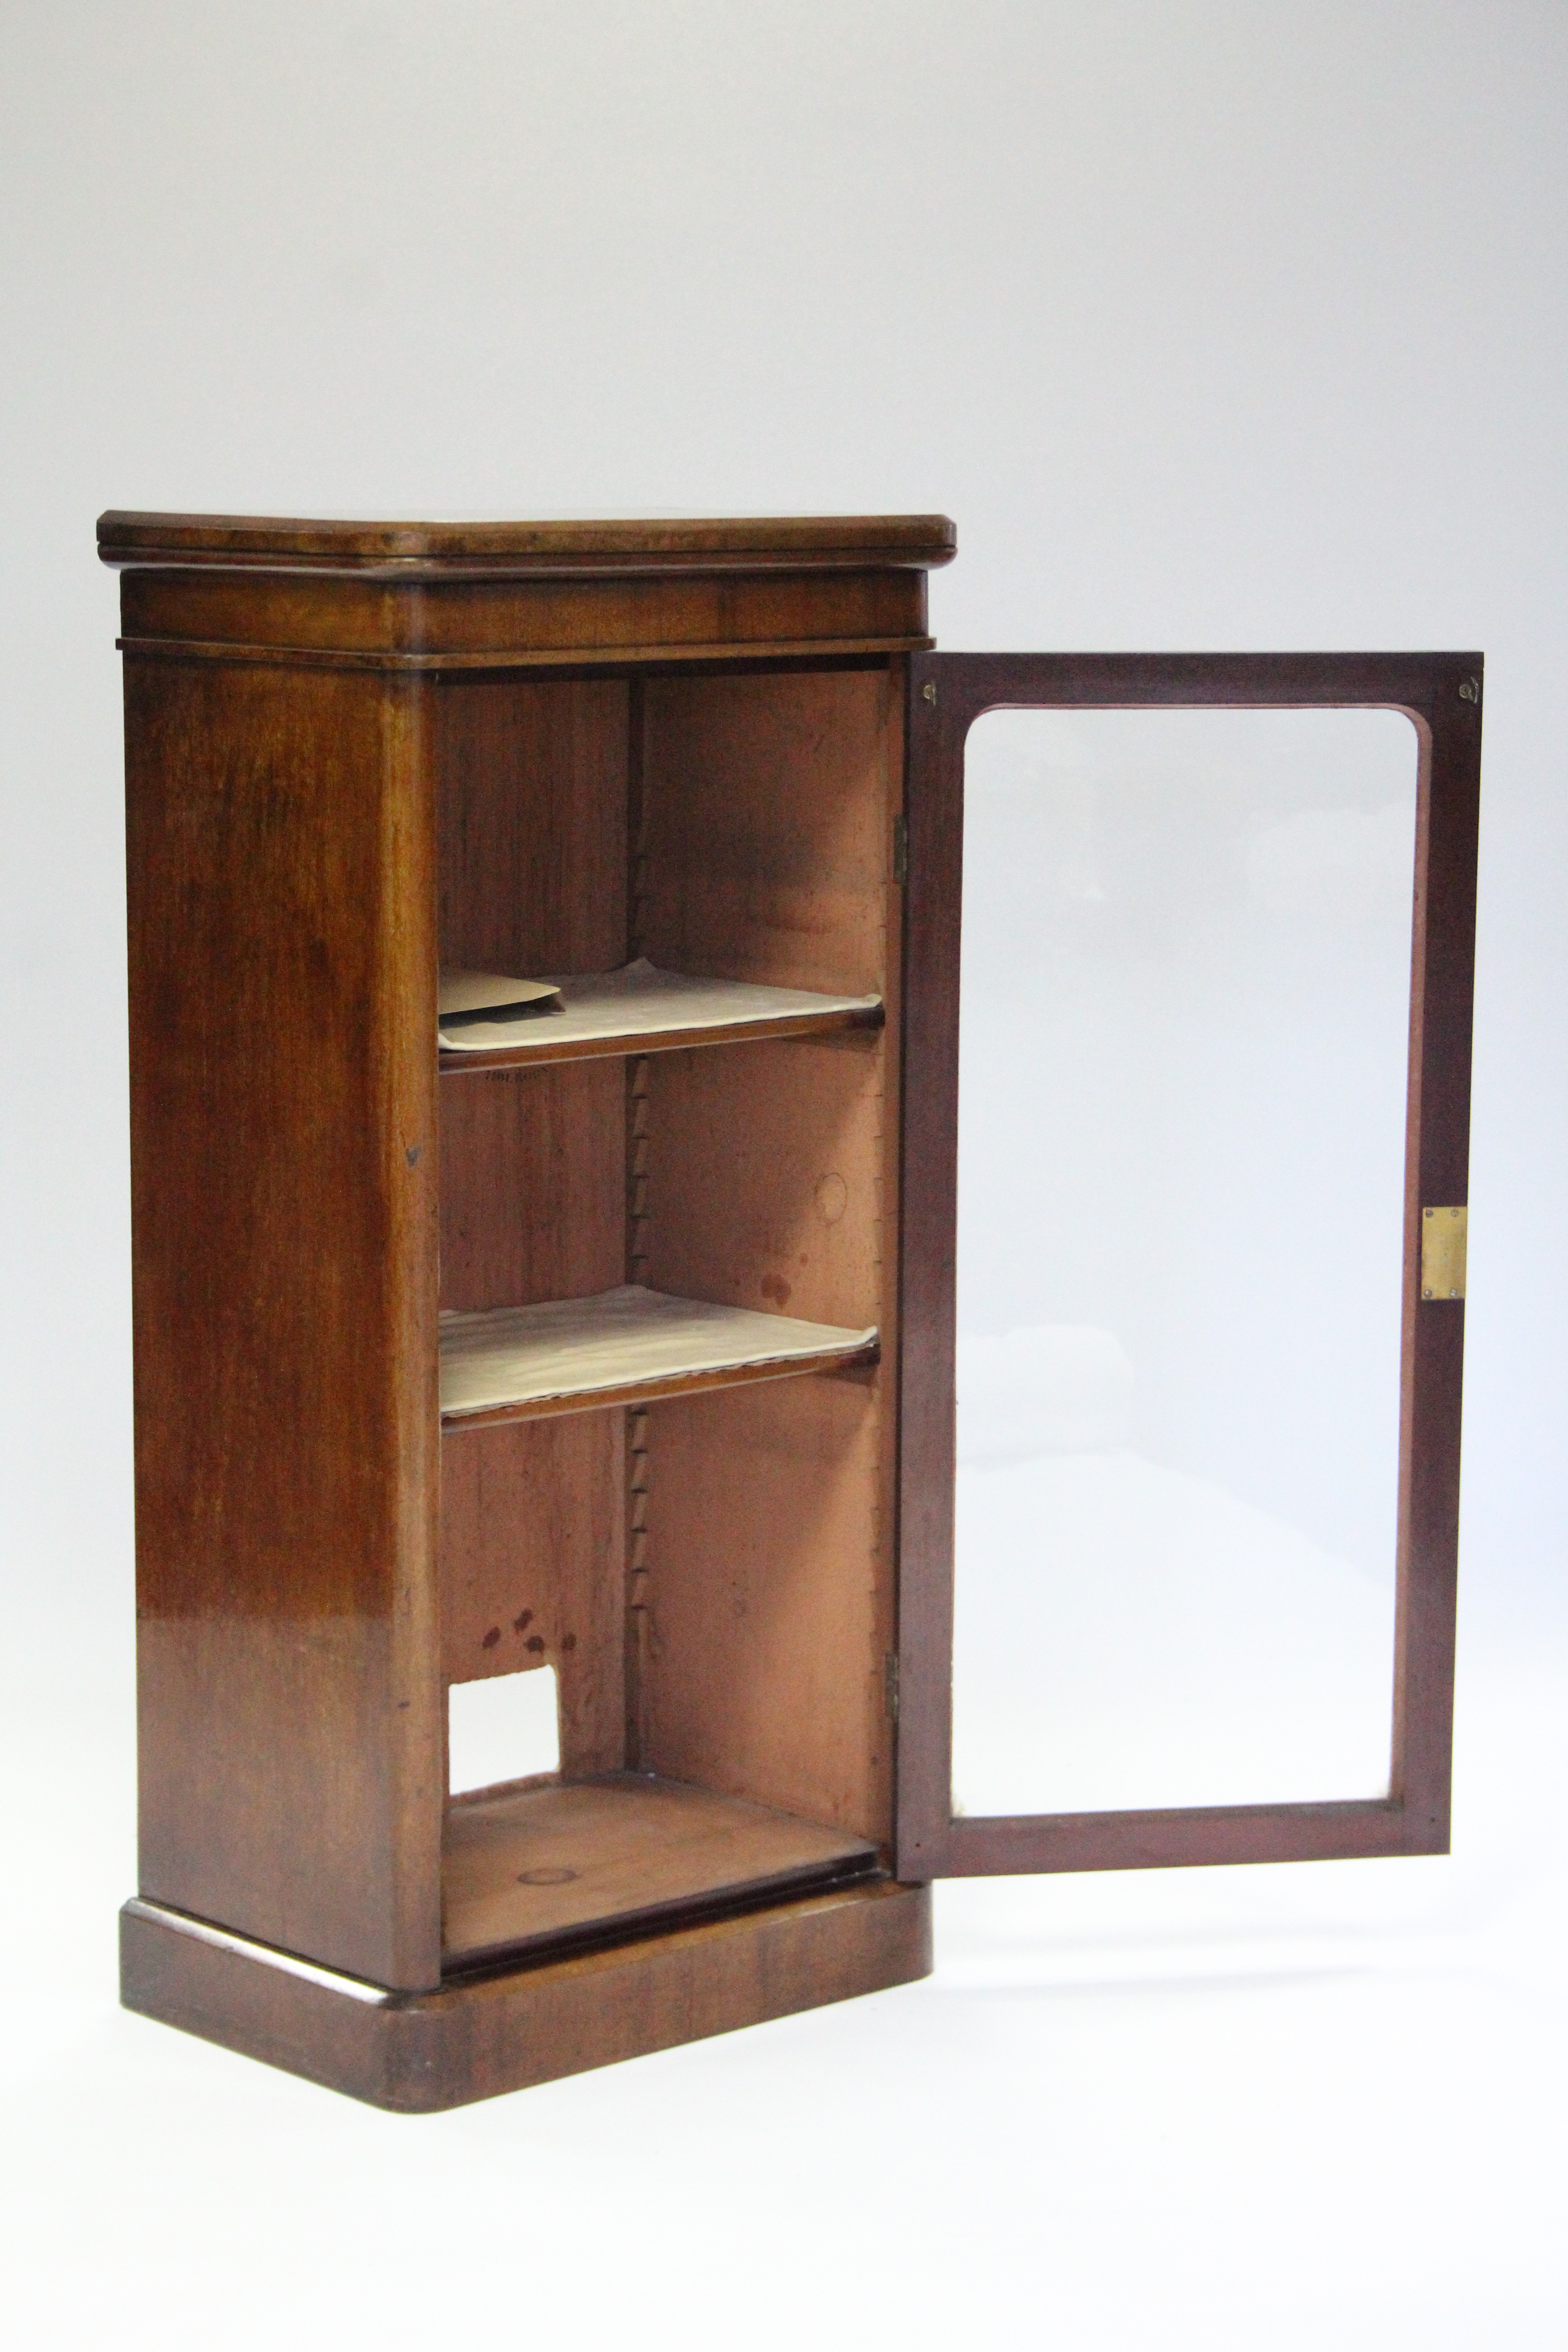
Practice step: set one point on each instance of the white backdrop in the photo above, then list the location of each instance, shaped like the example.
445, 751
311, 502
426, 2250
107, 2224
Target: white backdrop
1214, 323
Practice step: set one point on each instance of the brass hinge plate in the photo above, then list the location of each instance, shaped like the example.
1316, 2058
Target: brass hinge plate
890, 1682
1444, 1233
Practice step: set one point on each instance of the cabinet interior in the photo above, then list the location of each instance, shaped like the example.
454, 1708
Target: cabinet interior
708, 1568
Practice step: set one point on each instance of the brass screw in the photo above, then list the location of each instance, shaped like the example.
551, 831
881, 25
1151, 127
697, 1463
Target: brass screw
1469, 689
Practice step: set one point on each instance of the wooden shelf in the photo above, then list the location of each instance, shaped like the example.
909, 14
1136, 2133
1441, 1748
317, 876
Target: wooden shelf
523, 1864
627, 1346
641, 1010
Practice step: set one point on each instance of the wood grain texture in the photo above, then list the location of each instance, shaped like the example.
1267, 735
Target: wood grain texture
768, 1598
524, 1864
765, 1176
283, 945
948, 693
766, 808
531, 1550
451, 627
533, 1185
644, 544
532, 782
533, 2024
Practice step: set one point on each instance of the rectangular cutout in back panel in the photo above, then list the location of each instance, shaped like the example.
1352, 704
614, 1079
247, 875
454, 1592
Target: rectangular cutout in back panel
767, 810
533, 1187
529, 1864
532, 1558
502, 1729
768, 1585
532, 814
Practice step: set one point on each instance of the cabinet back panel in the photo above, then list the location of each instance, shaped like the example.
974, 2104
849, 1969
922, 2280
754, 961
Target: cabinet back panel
532, 1550
765, 1171
769, 1609
766, 820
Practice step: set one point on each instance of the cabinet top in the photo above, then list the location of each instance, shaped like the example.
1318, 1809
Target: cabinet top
520, 549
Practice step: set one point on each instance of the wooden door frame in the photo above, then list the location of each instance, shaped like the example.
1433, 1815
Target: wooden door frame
1441, 693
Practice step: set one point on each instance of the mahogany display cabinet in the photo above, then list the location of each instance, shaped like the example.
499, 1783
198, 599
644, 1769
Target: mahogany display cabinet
615, 1338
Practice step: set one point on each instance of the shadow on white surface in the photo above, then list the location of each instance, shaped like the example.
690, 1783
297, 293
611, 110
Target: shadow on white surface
1163, 2108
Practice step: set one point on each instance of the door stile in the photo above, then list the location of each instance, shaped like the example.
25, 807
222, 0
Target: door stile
1441, 693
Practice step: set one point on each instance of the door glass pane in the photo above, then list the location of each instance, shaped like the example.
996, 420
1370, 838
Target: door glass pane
1184, 1040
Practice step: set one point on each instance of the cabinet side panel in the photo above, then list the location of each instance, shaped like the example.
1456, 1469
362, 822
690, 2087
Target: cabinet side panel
532, 794
281, 917
533, 783
533, 1188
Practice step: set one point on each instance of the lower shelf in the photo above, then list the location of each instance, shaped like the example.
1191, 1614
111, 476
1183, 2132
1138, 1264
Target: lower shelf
415, 2053
625, 1346
523, 1865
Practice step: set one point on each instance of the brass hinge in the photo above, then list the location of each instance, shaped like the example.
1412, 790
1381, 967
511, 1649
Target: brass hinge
1445, 1236
891, 1680
900, 849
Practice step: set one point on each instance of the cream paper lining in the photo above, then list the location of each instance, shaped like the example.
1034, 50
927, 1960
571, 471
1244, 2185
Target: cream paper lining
573, 1347
640, 1001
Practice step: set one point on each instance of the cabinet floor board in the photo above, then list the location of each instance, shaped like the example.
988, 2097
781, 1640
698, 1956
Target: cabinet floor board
524, 1863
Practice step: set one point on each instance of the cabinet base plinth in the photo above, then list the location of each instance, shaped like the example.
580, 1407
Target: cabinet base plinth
416, 2052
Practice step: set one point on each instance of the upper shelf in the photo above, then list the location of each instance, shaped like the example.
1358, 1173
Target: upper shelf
641, 1010
627, 1346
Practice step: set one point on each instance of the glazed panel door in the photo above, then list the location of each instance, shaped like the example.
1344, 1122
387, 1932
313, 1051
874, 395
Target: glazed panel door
1189, 951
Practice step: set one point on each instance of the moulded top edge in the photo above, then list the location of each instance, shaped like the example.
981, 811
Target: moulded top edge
804, 543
